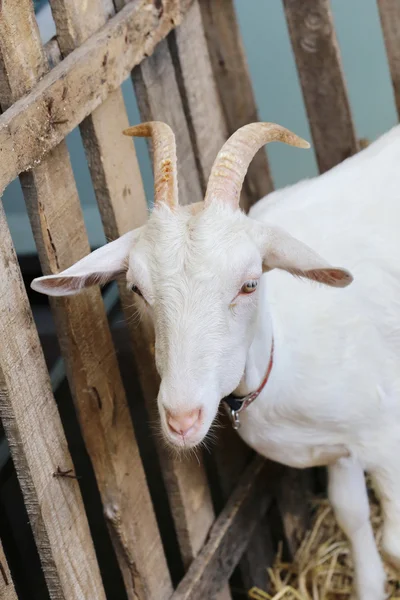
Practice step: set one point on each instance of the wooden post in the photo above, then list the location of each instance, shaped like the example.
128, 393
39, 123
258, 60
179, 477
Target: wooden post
389, 11
316, 50
29, 413
86, 343
7, 590
234, 87
229, 536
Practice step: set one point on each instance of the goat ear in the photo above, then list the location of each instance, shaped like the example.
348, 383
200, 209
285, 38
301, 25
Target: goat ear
98, 267
282, 251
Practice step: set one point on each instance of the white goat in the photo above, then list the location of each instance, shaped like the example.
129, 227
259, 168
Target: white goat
328, 359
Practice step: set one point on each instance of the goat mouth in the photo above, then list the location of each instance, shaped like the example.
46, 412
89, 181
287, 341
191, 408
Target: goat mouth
185, 441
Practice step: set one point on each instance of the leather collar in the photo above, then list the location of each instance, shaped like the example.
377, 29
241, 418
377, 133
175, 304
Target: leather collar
236, 404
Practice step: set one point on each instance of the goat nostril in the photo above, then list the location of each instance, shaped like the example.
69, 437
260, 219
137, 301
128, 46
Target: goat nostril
182, 422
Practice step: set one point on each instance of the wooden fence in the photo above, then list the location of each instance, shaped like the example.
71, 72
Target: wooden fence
188, 68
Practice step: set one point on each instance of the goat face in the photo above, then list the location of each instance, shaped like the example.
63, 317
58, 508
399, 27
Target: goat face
196, 270
198, 276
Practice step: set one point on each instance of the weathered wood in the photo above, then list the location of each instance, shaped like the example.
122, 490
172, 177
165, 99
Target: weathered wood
62, 536
234, 87
317, 55
92, 369
38, 446
159, 99
229, 535
293, 495
198, 92
389, 11
7, 590
73, 89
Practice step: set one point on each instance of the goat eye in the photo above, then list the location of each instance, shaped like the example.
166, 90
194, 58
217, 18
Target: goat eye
136, 290
249, 287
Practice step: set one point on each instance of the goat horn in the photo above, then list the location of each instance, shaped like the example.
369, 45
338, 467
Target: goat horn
233, 160
164, 159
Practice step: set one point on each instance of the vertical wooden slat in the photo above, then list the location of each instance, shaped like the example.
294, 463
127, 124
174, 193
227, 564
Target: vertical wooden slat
28, 410
159, 98
92, 367
38, 447
317, 55
7, 590
198, 91
234, 87
389, 11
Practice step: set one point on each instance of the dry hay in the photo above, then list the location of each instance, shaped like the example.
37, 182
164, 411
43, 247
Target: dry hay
322, 568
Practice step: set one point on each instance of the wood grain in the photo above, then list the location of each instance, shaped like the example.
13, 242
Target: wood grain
92, 368
159, 99
317, 55
234, 86
7, 590
119, 191
293, 496
198, 91
28, 409
229, 535
80, 83
38, 446
389, 11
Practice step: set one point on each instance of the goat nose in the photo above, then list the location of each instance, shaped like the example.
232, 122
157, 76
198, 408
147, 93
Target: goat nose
182, 422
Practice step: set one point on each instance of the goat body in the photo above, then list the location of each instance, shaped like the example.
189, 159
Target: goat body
336, 375
335, 386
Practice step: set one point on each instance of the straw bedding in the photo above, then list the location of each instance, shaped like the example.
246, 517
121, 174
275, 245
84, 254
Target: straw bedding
322, 568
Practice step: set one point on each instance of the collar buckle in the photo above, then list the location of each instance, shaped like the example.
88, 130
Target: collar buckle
235, 405
235, 419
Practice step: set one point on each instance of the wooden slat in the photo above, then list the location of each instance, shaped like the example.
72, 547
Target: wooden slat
80, 84
198, 92
30, 406
389, 11
293, 495
7, 590
316, 50
229, 535
116, 180
158, 98
234, 87
94, 378
38, 446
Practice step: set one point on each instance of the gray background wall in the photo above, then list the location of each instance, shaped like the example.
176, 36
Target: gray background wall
278, 95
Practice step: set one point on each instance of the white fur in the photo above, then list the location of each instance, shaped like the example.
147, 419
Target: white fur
333, 397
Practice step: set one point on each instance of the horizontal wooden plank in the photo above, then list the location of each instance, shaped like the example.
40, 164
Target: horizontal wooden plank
7, 590
317, 55
389, 11
229, 535
234, 87
80, 83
